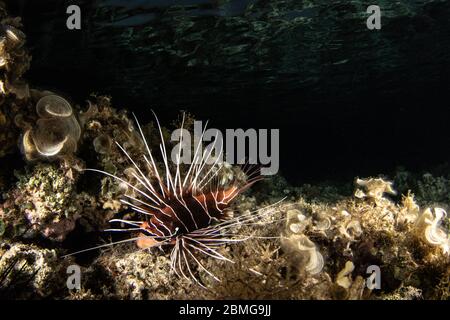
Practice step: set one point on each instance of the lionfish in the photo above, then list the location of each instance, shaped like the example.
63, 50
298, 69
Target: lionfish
189, 210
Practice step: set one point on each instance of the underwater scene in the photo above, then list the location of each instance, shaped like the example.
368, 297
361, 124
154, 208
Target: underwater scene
224, 150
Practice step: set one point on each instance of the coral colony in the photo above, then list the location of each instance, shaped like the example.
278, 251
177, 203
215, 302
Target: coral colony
198, 219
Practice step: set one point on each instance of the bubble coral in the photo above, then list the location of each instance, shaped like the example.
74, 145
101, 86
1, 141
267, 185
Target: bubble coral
428, 226
343, 278
55, 133
323, 223
14, 92
102, 144
351, 229
374, 189
14, 59
310, 258
296, 221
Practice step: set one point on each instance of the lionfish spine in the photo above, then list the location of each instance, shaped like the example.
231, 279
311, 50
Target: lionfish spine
188, 211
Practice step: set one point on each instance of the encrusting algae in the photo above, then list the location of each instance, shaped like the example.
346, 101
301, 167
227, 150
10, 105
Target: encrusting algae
317, 243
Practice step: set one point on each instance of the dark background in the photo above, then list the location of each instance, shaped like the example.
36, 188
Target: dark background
348, 101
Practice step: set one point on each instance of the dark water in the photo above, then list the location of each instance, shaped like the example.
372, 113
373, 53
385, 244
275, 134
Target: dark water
348, 101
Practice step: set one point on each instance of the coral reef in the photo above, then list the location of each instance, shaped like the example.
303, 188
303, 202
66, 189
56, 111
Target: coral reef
45, 200
14, 92
429, 228
317, 244
27, 271
56, 131
322, 251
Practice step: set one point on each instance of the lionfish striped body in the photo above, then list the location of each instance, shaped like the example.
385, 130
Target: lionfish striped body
189, 211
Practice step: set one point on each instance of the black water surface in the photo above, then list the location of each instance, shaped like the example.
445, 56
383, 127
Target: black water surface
348, 101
